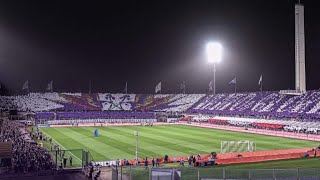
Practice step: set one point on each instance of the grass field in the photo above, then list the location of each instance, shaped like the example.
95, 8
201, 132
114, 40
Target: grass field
156, 141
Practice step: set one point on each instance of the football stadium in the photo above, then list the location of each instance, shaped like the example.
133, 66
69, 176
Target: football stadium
262, 134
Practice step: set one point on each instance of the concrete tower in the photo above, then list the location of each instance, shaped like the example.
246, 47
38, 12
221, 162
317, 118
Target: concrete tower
300, 49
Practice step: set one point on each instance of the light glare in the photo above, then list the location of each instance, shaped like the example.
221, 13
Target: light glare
214, 52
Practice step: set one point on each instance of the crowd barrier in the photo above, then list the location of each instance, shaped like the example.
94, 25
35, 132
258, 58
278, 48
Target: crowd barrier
140, 173
232, 158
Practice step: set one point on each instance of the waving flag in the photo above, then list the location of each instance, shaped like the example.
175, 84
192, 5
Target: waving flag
126, 88
50, 86
158, 88
183, 87
233, 81
25, 85
260, 80
210, 86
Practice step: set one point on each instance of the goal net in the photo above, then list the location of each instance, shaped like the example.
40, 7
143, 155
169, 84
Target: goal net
237, 146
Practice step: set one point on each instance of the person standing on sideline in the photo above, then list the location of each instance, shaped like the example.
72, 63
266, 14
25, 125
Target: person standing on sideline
70, 160
64, 162
146, 163
182, 162
189, 161
194, 161
157, 162
153, 162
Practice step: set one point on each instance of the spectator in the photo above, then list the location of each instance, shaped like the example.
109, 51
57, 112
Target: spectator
146, 163
27, 155
70, 160
166, 159
181, 162
64, 162
194, 160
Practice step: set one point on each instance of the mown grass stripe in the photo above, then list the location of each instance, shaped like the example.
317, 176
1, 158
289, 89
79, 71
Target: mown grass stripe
265, 142
177, 141
127, 148
95, 147
150, 146
177, 135
144, 146
174, 140
169, 145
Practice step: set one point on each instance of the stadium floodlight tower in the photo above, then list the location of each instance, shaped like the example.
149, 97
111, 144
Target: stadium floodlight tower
300, 48
214, 55
300, 67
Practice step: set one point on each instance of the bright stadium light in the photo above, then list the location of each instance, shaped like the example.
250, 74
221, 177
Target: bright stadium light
214, 52
214, 55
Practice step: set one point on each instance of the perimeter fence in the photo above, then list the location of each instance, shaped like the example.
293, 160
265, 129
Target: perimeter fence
190, 173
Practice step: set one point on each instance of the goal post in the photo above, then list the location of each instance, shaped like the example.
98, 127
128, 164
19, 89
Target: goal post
237, 146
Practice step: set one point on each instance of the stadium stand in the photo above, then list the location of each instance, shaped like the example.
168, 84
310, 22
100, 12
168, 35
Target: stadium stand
94, 115
27, 156
255, 104
270, 110
288, 125
261, 104
40, 102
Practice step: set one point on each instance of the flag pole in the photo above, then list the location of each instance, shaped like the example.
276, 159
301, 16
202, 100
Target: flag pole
52, 87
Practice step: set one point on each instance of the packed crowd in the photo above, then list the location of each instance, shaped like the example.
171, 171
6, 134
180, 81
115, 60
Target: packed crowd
95, 115
262, 104
265, 104
27, 156
40, 102
289, 126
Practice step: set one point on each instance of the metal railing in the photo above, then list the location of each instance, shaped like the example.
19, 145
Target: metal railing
211, 173
60, 159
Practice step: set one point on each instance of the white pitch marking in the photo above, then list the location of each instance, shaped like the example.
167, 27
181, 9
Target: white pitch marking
62, 146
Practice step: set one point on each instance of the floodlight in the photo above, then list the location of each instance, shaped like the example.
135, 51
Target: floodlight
214, 52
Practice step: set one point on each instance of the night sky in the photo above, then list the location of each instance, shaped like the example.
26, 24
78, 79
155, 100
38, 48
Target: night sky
143, 42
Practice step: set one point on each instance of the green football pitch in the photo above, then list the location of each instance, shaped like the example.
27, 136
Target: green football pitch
157, 141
